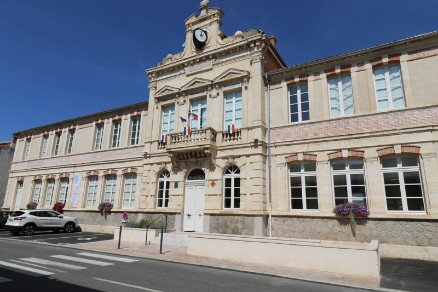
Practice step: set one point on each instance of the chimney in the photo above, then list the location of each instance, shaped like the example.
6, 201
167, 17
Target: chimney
273, 41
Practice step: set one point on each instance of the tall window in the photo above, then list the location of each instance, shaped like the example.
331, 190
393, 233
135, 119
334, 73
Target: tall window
71, 139
129, 190
135, 130
403, 187
198, 116
341, 96
117, 125
299, 103
26, 153
92, 190
389, 89
349, 181
168, 120
163, 190
303, 190
57, 144
233, 109
99, 136
110, 188
49, 192
37, 190
63, 191
44, 143
232, 188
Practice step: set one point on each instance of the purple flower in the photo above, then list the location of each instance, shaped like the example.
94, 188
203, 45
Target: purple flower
32, 205
357, 209
105, 207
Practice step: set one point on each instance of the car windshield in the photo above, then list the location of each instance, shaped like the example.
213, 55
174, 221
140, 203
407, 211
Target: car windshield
17, 213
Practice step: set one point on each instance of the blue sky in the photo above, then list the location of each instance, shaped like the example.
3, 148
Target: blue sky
61, 59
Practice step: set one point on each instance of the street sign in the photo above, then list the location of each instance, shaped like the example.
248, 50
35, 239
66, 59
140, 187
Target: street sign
125, 217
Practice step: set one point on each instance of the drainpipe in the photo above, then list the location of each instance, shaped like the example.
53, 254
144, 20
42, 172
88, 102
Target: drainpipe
269, 160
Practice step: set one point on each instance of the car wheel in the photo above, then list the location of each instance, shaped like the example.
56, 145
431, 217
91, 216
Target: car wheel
69, 227
28, 229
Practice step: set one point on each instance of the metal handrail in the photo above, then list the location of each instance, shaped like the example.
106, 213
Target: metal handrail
147, 227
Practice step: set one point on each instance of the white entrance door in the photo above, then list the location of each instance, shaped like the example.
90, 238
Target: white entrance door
19, 196
194, 206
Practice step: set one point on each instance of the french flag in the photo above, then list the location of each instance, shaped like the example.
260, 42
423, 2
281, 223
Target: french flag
164, 138
231, 129
194, 116
187, 131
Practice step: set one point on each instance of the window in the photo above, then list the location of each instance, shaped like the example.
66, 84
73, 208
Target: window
403, 187
168, 120
349, 181
92, 190
116, 133
389, 89
37, 190
129, 190
232, 188
57, 144
303, 190
163, 190
299, 103
110, 188
26, 153
99, 136
341, 96
63, 191
44, 143
198, 114
135, 130
233, 109
71, 139
49, 192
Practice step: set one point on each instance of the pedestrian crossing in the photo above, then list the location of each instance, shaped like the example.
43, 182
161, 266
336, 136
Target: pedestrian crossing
35, 266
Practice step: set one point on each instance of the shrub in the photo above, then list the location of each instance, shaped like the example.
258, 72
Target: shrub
58, 207
32, 205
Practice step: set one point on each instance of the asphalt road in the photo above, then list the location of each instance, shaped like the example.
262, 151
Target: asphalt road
25, 266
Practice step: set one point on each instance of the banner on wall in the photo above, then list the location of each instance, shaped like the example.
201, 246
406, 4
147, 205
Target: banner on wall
75, 191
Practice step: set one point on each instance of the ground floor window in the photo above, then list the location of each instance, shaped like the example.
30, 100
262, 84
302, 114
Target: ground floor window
92, 191
163, 190
36, 190
63, 190
403, 187
49, 192
348, 181
110, 188
303, 188
232, 188
129, 190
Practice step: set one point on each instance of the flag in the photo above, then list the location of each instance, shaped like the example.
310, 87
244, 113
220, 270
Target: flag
187, 131
183, 120
194, 116
231, 129
164, 138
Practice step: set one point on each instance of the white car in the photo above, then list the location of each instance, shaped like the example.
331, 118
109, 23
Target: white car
28, 221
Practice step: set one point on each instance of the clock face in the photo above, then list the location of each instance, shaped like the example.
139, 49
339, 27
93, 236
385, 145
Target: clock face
199, 38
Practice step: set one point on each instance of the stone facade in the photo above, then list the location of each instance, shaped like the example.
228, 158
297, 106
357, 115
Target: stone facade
6, 155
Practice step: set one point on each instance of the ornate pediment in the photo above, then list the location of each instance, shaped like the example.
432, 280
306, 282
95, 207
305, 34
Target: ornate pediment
166, 91
196, 83
230, 75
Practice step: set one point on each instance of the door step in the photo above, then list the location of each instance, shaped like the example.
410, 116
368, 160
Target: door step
177, 239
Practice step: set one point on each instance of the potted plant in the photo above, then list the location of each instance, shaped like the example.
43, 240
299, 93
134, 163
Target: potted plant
31, 205
59, 207
351, 210
105, 208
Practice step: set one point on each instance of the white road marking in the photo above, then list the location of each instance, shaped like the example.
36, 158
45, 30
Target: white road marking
81, 260
127, 285
2, 280
19, 267
106, 257
38, 266
52, 263
86, 238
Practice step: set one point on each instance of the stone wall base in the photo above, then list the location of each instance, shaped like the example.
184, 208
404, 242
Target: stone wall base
238, 225
423, 253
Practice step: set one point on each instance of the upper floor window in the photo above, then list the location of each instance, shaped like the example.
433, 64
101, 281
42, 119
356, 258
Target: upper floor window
49, 192
92, 190
135, 130
163, 190
129, 190
168, 120
198, 114
403, 187
71, 139
341, 96
303, 189
57, 144
389, 89
37, 185
63, 190
44, 144
110, 188
26, 153
232, 188
99, 136
233, 110
117, 125
349, 181
299, 103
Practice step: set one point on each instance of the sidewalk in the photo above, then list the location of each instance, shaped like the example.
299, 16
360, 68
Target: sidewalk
179, 255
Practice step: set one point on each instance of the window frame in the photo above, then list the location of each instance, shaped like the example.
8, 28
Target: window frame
232, 173
50, 191
302, 175
201, 111
135, 130
63, 189
27, 145
388, 87
168, 110
299, 103
116, 133
44, 146
36, 190
234, 110
71, 140
111, 183
163, 195
131, 180
99, 136
348, 172
93, 186
340, 90
57, 144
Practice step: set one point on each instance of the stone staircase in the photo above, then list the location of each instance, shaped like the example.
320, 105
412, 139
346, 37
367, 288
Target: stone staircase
178, 239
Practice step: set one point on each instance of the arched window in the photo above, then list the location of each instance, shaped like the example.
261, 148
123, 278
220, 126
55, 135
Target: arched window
163, 190
196, 174
232, 188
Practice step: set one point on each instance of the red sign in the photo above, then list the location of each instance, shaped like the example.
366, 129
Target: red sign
125, 215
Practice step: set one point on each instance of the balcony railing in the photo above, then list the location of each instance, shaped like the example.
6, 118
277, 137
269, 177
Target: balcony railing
236, 136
